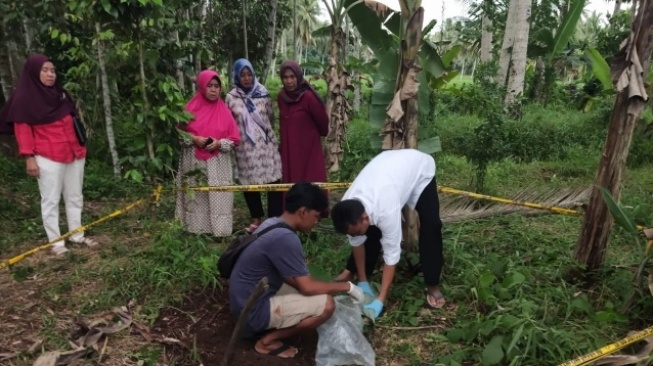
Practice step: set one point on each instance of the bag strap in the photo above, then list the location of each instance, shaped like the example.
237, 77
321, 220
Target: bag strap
272, 227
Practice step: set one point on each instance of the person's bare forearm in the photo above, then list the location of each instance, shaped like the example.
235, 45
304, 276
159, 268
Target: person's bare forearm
386, 281
311, 286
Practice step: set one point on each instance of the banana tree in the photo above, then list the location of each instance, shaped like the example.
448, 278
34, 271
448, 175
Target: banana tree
403, 53
550, 49
400, 86
338, 82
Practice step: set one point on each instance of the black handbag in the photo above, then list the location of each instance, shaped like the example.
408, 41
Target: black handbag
80, 130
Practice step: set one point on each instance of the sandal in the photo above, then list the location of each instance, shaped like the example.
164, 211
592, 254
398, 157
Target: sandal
436, 296
59, 250
276, 352
91, 243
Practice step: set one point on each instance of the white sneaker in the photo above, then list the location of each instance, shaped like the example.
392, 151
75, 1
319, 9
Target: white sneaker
59, 250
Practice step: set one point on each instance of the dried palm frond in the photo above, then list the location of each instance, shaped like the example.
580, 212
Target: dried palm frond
640, 358
462, 208
458, 208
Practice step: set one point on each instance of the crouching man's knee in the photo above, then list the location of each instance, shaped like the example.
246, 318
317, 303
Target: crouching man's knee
329, 307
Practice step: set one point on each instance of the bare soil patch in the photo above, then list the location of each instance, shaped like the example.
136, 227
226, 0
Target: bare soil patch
203, 320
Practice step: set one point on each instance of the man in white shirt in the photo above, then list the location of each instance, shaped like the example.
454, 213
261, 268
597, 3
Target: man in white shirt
370, 214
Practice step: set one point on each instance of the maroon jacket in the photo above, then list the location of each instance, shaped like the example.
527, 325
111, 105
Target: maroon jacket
300, 125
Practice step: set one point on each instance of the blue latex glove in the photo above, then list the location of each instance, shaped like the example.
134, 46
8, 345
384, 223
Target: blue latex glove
365, 286
375, 306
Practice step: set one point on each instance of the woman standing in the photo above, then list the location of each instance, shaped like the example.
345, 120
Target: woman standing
40, 113
302, 121
257, 156
205, 160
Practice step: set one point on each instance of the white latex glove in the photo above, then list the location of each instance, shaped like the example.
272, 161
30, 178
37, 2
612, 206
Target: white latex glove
356, 294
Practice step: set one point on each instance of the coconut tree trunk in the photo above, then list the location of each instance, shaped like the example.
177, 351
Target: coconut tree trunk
244, 9
294, 29
106, 101
505, 54
617, 6
146, 103
517, 69
629, 70
337, 105
270, 46
486, 38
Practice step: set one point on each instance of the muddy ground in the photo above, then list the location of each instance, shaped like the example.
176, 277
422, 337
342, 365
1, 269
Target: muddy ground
203, 320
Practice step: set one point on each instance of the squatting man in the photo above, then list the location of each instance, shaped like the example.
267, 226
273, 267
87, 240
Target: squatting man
295, 301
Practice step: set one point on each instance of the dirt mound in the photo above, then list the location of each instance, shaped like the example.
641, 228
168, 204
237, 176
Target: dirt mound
204, 323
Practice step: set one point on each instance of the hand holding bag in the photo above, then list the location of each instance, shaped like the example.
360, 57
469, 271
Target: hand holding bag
80, 130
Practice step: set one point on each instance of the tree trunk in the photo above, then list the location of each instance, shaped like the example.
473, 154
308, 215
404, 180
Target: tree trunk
270, 46
538, 80
244, 4
6, 76
410, 229
28, 32
564, 9
294, 29
517, 69
298, 53
505, 54
337, 105
357, 85
284, 45
179, 67
486, 38
106, 100
146, 103
617, 7
400, 131
630, 64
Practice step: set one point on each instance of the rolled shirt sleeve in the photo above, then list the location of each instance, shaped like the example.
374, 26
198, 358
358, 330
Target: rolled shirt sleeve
355, 241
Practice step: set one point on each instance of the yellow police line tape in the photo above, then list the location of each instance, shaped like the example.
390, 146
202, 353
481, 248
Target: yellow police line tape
156, 195
443, 189
610, 348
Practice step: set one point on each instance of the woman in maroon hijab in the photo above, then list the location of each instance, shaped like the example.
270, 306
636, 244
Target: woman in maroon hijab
302, 121
40, 114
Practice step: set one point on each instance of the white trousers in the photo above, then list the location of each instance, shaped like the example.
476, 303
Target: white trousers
54, 179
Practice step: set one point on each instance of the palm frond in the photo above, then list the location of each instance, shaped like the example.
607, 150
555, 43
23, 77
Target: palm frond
462, 208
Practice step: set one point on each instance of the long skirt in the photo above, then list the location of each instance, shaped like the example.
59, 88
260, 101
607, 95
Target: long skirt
205, 212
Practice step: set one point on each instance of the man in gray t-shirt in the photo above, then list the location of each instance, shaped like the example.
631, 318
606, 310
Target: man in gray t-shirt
294, 301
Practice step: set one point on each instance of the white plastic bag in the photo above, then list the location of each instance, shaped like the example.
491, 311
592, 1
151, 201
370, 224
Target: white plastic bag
341, 340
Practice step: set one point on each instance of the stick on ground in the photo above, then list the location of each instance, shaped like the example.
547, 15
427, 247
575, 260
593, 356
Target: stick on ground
259, 290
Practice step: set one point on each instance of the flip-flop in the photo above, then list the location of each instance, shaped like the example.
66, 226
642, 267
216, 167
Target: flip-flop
90, 242
276, 352
436, 296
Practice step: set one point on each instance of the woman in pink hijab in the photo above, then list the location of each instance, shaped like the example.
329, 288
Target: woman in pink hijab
206, 160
